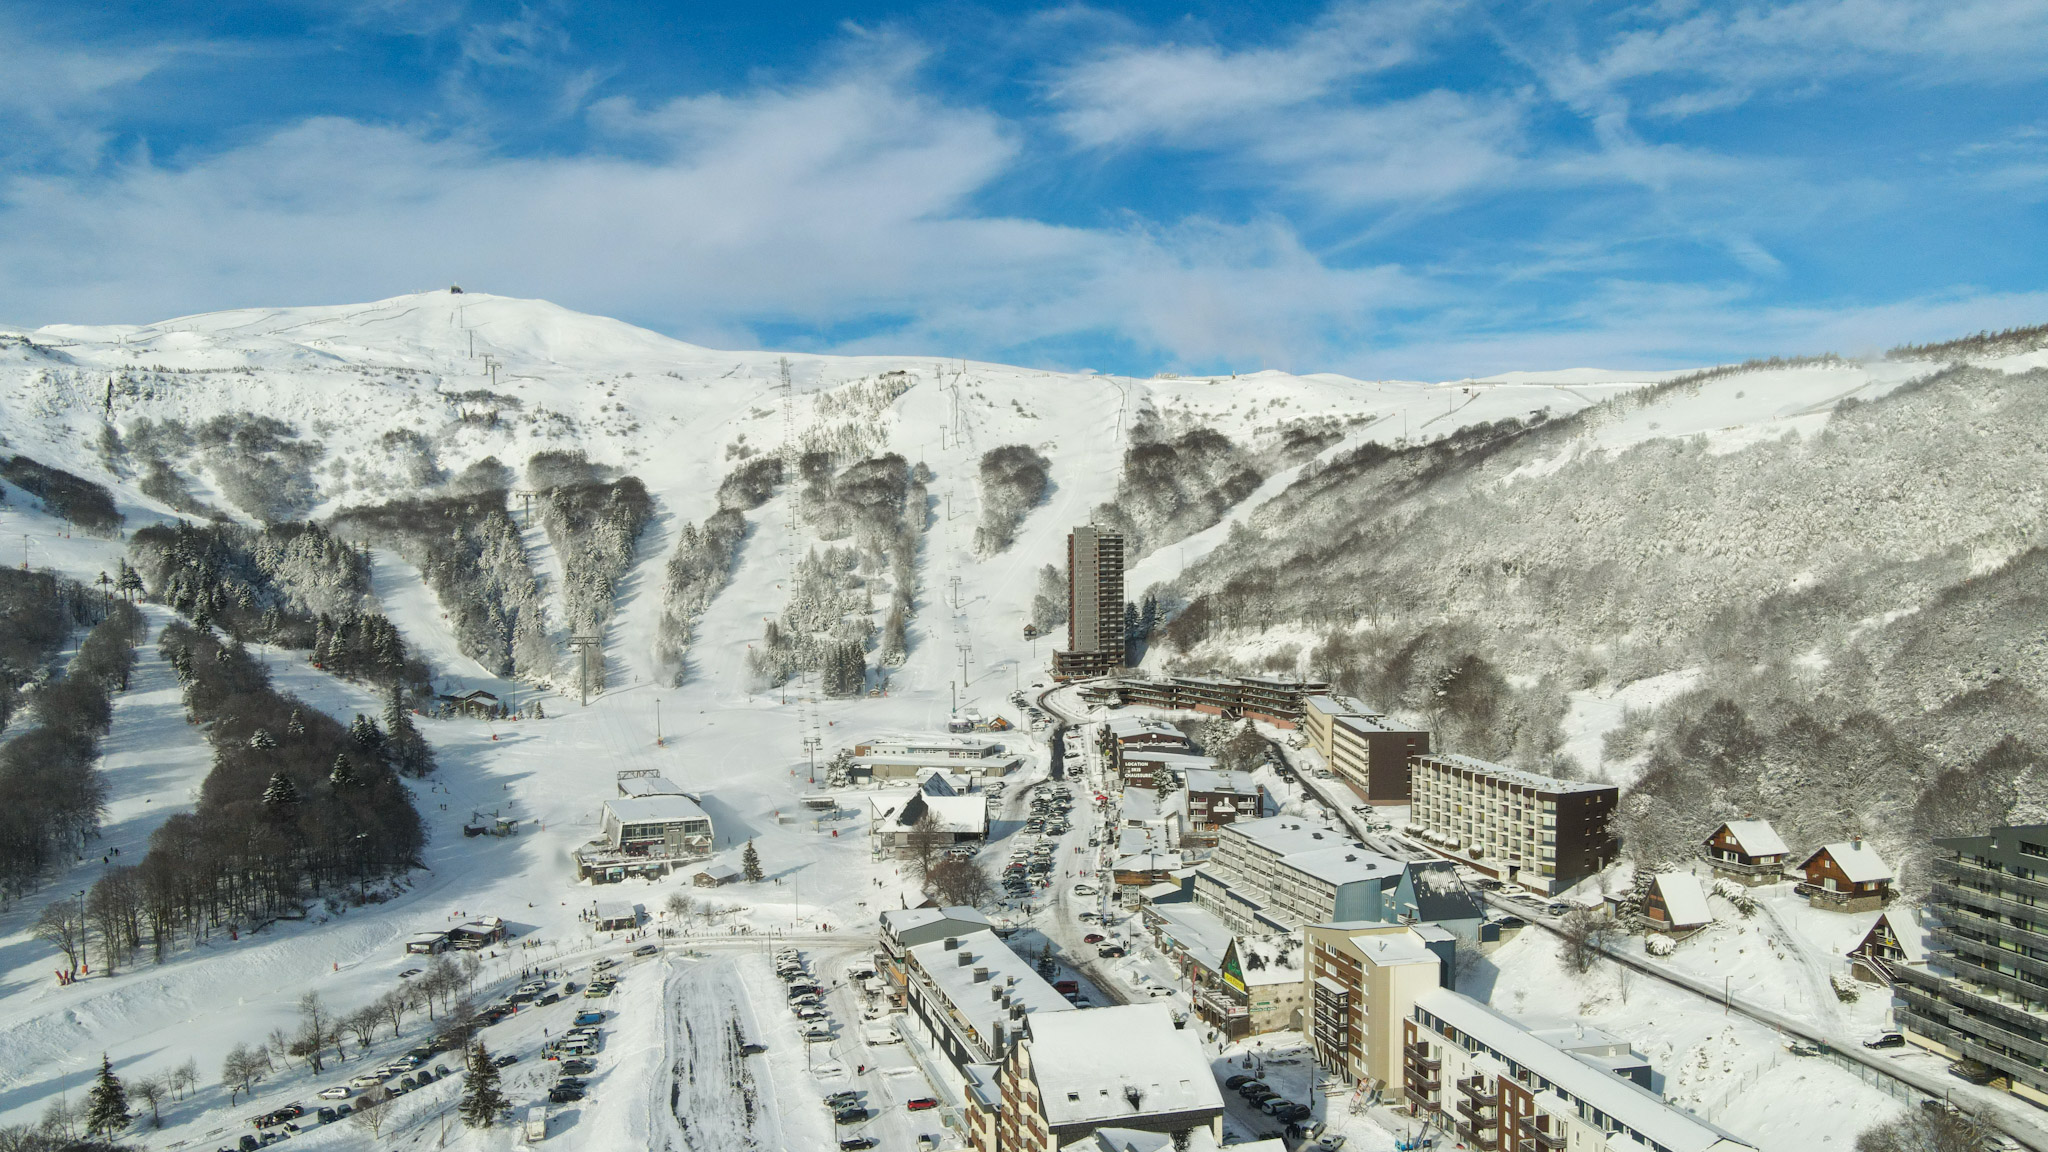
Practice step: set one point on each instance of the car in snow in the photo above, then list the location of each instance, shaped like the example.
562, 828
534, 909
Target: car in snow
1888, 1040
1084, 889
842, 1099
1156, 992
857, 1143
408, 974
366, 1080
1251, 1088
850, 1116
564, 1095
338, 1092
1236, 1081
506, 1060
646, 950
592, 1016
1109, 951
577, 1067
1093, 938
817, 1035
921, 1104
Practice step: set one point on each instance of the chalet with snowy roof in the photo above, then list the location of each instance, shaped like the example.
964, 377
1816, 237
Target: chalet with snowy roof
954, 819
1212, 799
478, 705
614, 916
716, 876
646, 782
1675, 903
1894, 941
1747, 851
1127, 1067
1847, 876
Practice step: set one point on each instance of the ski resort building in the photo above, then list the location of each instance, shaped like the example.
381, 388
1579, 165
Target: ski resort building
645, 836
905, 758
1142, 767
1213, 799
1372, 757
1317, 713
1675, 903
1127, 1067
1983, 994
1278, 874
1362, 981
970, 996
1848, 876
1095, 606
1540, 832
1474, 1073
1747, 851
1277, 701
1133, 734
955, 819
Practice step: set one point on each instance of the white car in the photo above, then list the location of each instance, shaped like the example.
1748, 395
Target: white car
1084, 889
367, 1080
338, 1092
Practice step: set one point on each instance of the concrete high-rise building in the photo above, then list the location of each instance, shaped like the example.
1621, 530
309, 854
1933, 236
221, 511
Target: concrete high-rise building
1095, 605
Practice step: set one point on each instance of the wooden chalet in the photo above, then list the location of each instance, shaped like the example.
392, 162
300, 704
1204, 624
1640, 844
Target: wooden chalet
1847, 876
1747, 851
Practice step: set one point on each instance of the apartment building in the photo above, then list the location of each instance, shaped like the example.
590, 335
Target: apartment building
1214, 799
1275, 700
1280, 873
1983, 993
1362, 981
1127, 1067
1319, 710
1540, 832
1095, 605
1138, 734
1372, 756
970, 995
1499, 1086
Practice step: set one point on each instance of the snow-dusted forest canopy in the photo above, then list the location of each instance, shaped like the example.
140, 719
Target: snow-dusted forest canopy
1014, 479
1859, 604
1175, 486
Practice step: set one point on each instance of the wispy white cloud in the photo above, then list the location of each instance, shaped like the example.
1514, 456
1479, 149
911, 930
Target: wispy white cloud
55, 93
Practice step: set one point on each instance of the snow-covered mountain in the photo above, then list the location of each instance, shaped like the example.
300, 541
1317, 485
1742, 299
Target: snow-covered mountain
1802, 589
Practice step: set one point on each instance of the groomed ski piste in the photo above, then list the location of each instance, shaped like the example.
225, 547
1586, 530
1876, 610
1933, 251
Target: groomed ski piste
668, 1073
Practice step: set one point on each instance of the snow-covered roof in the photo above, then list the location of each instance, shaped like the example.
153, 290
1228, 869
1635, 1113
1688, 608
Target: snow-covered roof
1637, 1108
1857, 860
897, 921
648, 786
655, 810
616, 910
1757, 838
1904, 929
1137, 1140
1683, 899
1279, 958
1367, 725
1122, 726
1340, 865
1142, 805
959, 815
1103, 1065
1212, 780
1287, 835
1197, 930
1148, 862
1385, 948
1331, 704
1514, 775
979, 1002
1178, 759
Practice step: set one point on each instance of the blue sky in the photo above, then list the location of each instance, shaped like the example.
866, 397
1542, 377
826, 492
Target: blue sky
1427, 189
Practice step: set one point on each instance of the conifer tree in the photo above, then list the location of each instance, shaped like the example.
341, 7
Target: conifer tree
261, 738
343, 775
295, 727
281, 795
750, 863
410, 752
106, 1110
481, 1100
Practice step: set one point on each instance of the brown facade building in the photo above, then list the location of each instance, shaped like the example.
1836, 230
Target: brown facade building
1540, 832
1372, 757
1095, 605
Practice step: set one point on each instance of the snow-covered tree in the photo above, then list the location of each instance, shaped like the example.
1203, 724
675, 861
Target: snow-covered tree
750, 864
481, 1099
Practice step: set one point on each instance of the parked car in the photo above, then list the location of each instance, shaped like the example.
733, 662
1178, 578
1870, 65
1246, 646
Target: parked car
921, 1104
856, 1143
1093, 938
1888, 1040
326, 1115
850, 1116
1109, 951
506, 1060
338, 1092
646, 950
843, 1099
578, 1067
564, 1095
817, 1035
1235, 1082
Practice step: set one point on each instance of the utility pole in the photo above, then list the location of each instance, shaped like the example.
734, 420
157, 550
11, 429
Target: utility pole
811, 744
585, 645
658, 742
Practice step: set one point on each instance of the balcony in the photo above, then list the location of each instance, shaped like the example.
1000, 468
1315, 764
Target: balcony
1970, 1046
1990, 1021
1990, 902
1418, 1055
1965, 919
1480, 1117
1984, 952
1484, 1138
1754, 871
1480, 1090
1991, 877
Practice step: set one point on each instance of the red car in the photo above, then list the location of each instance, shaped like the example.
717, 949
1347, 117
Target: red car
922, 1104
1093, 938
